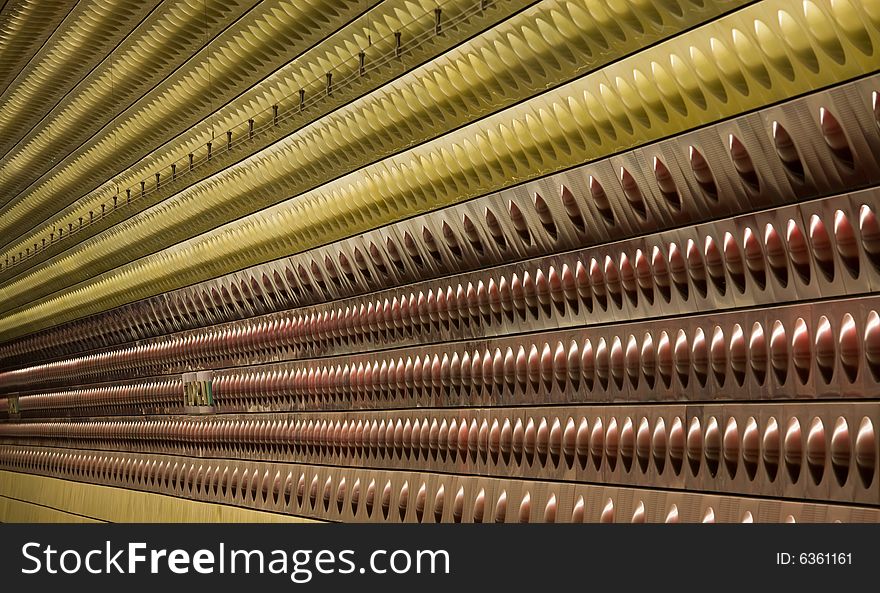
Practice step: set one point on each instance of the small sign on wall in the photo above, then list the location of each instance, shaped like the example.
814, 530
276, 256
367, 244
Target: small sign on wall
198, 395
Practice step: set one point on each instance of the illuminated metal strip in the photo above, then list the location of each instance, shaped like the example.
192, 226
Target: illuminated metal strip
24, 27
29, 498
265, 38
757, 259
122, 197
829, 353
538, 137
88, 34
393, 496
365, 131
830, 450
481, 233
161, 43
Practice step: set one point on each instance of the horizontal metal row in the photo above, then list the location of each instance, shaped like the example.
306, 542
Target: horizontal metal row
826, 452
364, 495
827, 351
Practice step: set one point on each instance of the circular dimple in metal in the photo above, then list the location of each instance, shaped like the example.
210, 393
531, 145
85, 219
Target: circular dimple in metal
847, 244
816, 450
612, 443
550, 510
718, 356
801, 350
569, 440
708, 516
501, 508
712, 444
731, 446
458, 506
666, 184
439, 501
627, 443
872, 343
600, 200
659, 445
848, 347
695, 267
776, 254
695, 445
869, 229
554, 442
751, 447
841, 450
643, 444
648, 360
771, 447
700, 356
525, 508
835, 138
787, 152
676, 444
715, 264
733, 262
542, 437
799, 253
494, 439
479, 511
678, 270
825, 351
607, 515
661, 273
866, 451
703, 173
632, 193
743, 164
639, 513
682, 358
597, 442
578, 512
570, 205
793, 449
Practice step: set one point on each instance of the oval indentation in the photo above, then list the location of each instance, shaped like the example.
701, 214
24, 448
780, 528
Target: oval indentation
787, 152
794, 449
825, 351
816, 450
823, 250
666, 184
600, 199
754, 257
703, 173
872, 344
848, 346
731, 447
545, 216
847, 245
695, 445
751, 447
835, 138
570, 205
866, 451
712, 444
743, 164
632, 193
841, 450
869, 228
798, 252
